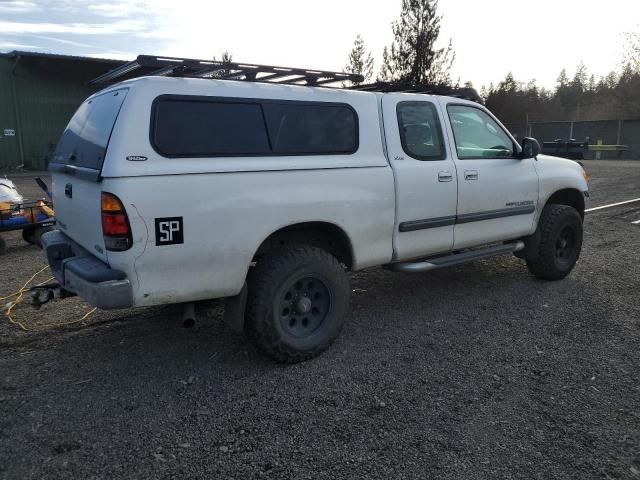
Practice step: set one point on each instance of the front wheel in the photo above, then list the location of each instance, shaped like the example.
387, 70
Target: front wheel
297, 303
560, 228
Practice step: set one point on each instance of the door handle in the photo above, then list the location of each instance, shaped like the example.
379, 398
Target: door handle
445, 177
470, 174
68, 190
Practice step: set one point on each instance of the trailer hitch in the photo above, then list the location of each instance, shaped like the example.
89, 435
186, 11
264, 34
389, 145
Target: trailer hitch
42, 294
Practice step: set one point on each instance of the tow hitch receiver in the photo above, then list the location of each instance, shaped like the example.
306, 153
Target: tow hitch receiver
42, 294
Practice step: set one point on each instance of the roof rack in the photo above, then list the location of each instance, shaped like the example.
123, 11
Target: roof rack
148, 65
407, 87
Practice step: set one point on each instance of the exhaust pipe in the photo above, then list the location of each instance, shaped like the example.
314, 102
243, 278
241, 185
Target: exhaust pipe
188, 315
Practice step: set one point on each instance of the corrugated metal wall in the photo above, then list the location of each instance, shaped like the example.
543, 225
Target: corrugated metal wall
48, 90
9, 145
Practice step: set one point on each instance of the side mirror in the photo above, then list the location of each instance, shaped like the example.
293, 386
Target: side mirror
530, 148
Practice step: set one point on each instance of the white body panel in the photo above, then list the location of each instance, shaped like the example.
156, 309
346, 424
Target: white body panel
557, 174
231, 205
420, 195
79, 215
491, 185
518, 185
227, 217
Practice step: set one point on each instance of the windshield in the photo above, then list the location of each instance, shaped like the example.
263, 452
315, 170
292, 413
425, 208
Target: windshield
84, 141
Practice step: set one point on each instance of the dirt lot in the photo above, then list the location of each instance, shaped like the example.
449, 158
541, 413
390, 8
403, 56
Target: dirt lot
476, 372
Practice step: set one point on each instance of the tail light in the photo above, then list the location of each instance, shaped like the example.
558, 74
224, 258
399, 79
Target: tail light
115, 224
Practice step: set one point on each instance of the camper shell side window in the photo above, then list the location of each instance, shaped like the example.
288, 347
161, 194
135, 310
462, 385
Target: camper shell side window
201, 126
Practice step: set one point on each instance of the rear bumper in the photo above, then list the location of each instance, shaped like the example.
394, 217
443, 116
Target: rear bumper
79, 272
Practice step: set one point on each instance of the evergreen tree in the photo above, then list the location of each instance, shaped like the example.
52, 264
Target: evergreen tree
580, 78
360, 60
413, 56
632, 51
387, 70
614, 96
563, 80
226, 58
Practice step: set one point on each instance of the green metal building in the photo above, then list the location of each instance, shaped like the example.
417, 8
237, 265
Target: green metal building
39, 92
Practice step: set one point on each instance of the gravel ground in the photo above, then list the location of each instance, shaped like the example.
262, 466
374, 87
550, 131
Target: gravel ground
475, 372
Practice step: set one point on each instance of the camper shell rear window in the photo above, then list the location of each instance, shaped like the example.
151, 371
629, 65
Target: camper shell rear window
197, 126
83, 144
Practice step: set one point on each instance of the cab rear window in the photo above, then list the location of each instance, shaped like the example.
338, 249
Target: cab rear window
191, 126
84, 141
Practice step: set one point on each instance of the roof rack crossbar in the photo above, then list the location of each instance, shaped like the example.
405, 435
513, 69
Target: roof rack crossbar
120, 71
273, 76
164, 71
295, 79
331, 80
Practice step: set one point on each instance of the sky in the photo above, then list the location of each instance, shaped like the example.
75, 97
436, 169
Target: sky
532, 39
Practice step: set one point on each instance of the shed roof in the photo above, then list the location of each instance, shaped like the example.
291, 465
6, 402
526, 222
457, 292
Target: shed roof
55, 56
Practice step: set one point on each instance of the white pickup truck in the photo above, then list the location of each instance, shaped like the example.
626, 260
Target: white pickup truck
176, 190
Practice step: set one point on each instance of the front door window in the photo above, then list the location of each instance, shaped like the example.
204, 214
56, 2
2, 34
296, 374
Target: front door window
477, 135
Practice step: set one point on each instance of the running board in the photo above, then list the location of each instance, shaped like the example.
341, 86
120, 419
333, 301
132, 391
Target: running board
455, 258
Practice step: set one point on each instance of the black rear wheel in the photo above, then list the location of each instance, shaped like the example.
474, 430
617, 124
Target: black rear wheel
33, 235
297, 303
560, 228
29, 235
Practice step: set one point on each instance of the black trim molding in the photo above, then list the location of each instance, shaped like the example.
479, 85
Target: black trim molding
428, 223
491, 214
414, 225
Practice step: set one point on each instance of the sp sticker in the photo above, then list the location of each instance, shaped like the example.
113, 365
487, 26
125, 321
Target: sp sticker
169, 231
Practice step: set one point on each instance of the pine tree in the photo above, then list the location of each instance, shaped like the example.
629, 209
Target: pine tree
632, 51
563, 80
226, 58
360, 60
413, 56
580, 78
387, 70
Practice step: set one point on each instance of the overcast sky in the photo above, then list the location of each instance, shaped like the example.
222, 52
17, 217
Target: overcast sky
533, 39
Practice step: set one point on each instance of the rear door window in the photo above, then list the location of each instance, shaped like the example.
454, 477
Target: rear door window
84, 141
420, 130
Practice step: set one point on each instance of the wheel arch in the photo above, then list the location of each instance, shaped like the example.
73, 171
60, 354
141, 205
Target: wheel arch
568, 196
571, 197
325, 235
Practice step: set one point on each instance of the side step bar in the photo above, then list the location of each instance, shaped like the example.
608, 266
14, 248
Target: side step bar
455, 258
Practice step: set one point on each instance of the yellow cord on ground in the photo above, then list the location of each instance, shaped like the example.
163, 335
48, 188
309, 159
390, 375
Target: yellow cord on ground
24, 287
20, 294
